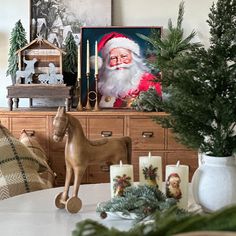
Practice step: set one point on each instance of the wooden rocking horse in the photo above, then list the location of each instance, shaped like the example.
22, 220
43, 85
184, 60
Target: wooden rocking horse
80, 152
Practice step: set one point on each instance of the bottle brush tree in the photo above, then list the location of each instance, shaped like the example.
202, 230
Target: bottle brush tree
17, 41
70, 60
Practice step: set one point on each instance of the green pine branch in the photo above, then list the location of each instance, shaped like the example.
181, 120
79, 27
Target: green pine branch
168, 222
142, 200
202, 101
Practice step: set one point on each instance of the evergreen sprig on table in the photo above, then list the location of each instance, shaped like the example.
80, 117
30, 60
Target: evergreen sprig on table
141, 200
166, 223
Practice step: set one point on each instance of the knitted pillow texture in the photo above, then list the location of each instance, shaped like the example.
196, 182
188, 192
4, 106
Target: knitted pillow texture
31, 141
19, 167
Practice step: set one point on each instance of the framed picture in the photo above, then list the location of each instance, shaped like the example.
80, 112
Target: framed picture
123, 62
53, 20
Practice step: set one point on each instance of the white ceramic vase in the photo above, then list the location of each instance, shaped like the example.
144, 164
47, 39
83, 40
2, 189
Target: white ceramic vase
214, 182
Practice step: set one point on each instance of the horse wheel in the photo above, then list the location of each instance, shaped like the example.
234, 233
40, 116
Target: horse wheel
73, 204
58, 202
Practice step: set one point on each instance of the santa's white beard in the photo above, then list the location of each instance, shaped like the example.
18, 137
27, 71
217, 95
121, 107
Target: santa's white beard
117, 82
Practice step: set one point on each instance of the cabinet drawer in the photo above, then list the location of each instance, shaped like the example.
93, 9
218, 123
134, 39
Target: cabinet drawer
146, 134
4, 121
33, 123
37, 125
135, 161
95, 174
105, 127
186, 158
60, 146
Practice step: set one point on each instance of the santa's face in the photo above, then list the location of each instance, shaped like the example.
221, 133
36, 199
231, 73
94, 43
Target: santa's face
119, 56
174, 182
120, 74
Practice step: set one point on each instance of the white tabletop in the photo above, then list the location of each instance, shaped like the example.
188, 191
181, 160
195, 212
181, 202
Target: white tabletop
35, 214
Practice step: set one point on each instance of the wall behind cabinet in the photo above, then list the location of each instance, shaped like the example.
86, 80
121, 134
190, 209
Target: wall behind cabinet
125, 13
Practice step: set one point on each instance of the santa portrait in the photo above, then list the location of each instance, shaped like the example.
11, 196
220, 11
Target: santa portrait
173, 186
123, 73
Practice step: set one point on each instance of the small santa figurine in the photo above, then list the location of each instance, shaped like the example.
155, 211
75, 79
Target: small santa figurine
123, 73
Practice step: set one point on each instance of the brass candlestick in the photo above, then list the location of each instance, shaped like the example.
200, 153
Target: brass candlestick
96, 106
88, 106
78, 90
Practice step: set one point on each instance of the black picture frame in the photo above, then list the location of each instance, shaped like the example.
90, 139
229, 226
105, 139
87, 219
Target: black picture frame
93, 34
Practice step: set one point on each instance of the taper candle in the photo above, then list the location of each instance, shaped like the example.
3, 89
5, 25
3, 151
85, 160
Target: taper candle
79, 66
96, 58
150, 170
121, 176
177, 181
87, 57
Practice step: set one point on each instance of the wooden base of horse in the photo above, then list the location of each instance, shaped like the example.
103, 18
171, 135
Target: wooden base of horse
80, 152
72, 205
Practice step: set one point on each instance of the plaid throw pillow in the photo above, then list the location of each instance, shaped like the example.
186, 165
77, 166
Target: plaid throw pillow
19, 167
31, 141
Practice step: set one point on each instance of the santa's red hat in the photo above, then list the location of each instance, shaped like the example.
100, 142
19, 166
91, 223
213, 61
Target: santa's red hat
116, 40
173, 175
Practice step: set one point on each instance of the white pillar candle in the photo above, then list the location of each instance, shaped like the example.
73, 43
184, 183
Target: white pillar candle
177, 181
96, 58
87, 57
79, 68
150, 170
121, 176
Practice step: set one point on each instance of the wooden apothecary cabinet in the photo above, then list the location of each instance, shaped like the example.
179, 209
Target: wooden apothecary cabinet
145, 133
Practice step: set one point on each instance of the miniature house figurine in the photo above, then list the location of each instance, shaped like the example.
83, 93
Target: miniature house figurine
42, 53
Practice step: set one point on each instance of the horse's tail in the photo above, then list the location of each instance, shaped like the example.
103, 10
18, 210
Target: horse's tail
128, 143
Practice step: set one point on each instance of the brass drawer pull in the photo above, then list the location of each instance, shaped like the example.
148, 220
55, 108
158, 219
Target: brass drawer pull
29, 132
147, 134
106, 133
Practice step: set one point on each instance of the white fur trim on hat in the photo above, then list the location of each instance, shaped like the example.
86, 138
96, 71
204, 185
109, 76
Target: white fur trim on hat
92, 62
120, 42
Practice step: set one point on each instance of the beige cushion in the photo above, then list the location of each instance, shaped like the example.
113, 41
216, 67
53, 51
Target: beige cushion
19, 167
31, 141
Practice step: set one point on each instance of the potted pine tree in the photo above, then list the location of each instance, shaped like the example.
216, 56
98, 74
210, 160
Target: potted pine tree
201, 88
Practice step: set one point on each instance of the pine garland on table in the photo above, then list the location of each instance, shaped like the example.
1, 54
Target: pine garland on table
141, 200
166, 223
